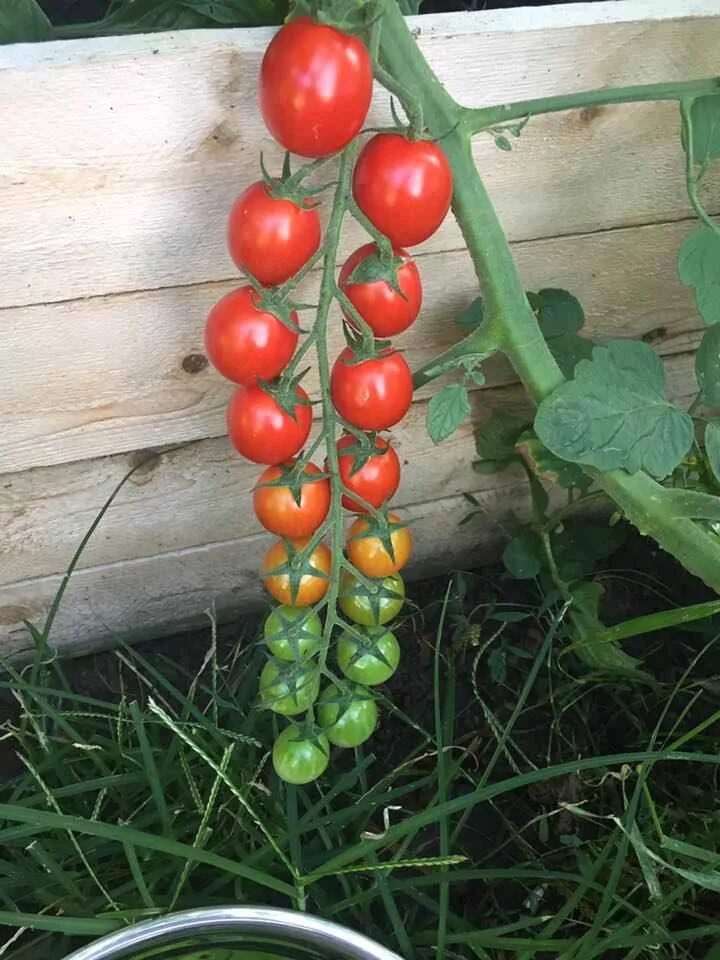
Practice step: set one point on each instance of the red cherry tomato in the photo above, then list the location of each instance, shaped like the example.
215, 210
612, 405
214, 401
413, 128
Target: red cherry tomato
271, 237
315, 87
403, 186
261, 430
382, 308
245, 342
377, 479
373, 394
279, 512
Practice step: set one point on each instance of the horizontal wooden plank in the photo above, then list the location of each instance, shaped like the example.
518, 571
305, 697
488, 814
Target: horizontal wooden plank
169, 592
121, 156
102, 376
163, 525
191, 496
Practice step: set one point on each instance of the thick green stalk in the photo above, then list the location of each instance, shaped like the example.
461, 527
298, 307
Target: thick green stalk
484, 117
641, 499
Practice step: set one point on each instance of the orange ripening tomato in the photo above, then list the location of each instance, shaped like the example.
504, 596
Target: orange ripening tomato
370, 555
309, 587
279, 512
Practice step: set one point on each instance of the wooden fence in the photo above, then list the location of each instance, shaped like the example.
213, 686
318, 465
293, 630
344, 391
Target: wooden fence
119, 159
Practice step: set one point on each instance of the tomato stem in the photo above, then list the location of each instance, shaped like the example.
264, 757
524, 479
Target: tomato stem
478, 119
643, 501
335, 521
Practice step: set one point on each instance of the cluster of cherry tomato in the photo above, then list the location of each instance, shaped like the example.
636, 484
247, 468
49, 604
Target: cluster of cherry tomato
315, 91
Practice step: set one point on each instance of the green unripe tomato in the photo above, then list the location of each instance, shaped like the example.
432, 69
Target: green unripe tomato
370, 658
348, 715
373, 605
297, 758
288, 688
293, 633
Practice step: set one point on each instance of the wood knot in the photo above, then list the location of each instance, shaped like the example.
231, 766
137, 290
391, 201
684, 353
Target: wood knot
194, 363
655, 336
588, 114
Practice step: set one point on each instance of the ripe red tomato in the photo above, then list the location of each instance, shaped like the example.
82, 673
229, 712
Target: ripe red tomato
373, 394
279, 512
367, 552
271, 237
245, 342
403, 186
311, 587
315, 87
261, 430
377, 479
382, 308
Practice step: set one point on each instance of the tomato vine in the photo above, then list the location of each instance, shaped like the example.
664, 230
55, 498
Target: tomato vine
369, 386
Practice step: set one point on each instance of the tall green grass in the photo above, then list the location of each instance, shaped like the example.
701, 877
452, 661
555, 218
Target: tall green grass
522, 810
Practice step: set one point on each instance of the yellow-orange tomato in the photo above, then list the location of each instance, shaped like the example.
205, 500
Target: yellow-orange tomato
370, 555
308, 588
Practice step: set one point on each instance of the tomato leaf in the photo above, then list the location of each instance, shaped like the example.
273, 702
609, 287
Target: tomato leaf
614, 414
23, 21
699, 268
705, 117
578, 547
707, 366
712, 446
522, 556
560, 316
558, 312
136, 16
446, 411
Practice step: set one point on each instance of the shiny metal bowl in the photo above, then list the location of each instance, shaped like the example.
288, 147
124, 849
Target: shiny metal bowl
235, 933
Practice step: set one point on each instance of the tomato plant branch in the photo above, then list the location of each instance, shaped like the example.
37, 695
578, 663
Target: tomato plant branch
643, 501
691, 178
477, 119
335, 520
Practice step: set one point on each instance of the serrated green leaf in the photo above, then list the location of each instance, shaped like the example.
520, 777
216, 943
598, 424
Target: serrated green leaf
472, 316
560, 316
712, 446
707, 366
447, 410
23, 21
614, 414
547, 465
699, 268
558, 312
569, 350
523, 556
705, 117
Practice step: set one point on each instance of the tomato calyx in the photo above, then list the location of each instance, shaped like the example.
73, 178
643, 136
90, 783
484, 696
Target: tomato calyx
346, 15
288, 686
284, 393
289, 185
366, 641
362, 449
382, 525
380, 265
298, 564
374, 590
294, 476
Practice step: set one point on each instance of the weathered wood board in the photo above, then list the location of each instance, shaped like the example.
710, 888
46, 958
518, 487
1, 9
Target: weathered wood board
119, 160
